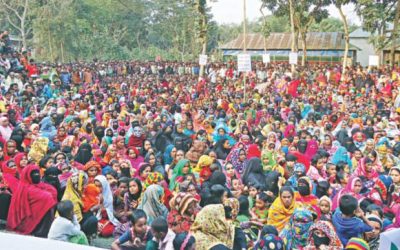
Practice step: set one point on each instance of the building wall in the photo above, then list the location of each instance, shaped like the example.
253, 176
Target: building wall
366, 50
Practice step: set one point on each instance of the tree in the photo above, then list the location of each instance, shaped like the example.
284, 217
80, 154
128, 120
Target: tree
18, 16
394, 34
339, 4
375, 17
302, 15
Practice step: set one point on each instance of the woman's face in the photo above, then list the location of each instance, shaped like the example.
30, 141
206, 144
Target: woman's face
145, 173
11, 147
235, 185
132, 154
61, 131
375, 231
287, 198
179, 155
152, 160
24, 161
213, 155
253, 192
1, 152
147, 145
368, 167
133, 187
320, 164
395, 175
92, 172
110, 179
60, 158
173, 153
331, 170
227, 145
191, 208
98, 185
357, 187
117, 167
221, 132
49, 163
230, 171
112, 152
185, 169
120, 144
242, 155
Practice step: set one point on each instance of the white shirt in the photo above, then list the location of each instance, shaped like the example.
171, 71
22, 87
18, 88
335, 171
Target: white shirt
62, 229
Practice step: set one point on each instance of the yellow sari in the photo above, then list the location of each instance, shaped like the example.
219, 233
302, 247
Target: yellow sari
204, 161
279, 215
73, 192
211, 228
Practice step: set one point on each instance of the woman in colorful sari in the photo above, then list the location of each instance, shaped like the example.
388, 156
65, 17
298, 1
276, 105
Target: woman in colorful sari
211, 228
282, 208
304, 196
74, 192
180, 171
152, 203
322, 233
32, 204
184, 207
295, 233
134, 157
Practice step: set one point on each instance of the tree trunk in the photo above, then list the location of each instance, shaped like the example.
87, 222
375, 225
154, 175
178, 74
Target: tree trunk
394, 34
346, 39
204, 40
304, 48
291, 13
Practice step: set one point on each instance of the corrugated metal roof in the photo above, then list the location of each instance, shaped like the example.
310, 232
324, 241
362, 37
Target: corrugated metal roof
283, 41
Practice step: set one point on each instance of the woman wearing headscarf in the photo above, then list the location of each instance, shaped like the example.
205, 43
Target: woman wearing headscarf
134, 157
183, 210
111, 154
282, 208
152, 203
211, 228
322, 233
84, 153
32, 204
353, 188
295, 233
151, 159
107, 220
222, 149
341, 154
21, 161
253, 173
73, 192
181, 169
304, 197
51, 177
238, 159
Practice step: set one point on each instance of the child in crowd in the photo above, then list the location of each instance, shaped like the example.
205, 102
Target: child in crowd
66, 226
137, 236
162, 234
325, 205
349, 219
259, 212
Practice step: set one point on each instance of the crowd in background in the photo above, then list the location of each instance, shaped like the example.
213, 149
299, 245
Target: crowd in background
158, 158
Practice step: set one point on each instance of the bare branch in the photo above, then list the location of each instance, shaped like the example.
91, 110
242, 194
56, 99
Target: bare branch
11, 8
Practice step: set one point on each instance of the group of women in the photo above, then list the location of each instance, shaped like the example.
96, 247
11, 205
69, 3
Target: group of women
225, 172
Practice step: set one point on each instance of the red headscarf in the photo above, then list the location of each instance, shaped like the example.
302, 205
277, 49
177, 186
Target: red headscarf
18, 157
30, 202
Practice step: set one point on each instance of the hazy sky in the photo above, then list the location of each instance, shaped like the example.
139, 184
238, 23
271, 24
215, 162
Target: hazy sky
231, 11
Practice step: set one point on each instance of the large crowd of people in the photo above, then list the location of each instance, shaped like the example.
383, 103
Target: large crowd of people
157, 158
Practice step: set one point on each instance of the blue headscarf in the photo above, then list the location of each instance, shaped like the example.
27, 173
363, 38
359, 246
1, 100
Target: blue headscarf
341, 154
167, 154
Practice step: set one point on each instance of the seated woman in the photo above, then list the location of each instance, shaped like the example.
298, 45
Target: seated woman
74, 192
212, 230
282, 208
107, 221
32, 204
183, 210
152, 203
322, 233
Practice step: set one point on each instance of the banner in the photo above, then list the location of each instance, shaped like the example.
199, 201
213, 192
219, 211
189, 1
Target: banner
266, 58
373, 60
203, 60
244, 63
293, 58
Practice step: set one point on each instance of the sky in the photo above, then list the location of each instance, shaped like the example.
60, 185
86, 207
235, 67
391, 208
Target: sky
231, 11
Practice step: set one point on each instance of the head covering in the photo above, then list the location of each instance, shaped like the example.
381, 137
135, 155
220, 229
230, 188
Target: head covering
151, 203
107, 200
84, 153
30, 202
329, 231
181, 202
152, 178
204, 161
341, 154
234, 159
233, 203
349, 189
357, 244
210, 228
268, 242
73, 192
178, 172
167, 154
278, 214
295, 233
